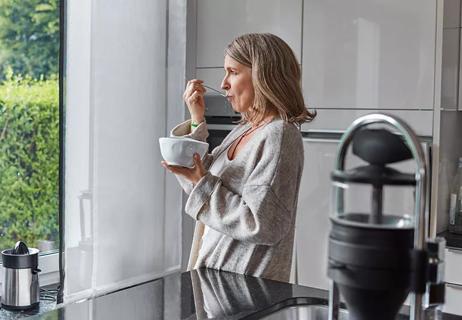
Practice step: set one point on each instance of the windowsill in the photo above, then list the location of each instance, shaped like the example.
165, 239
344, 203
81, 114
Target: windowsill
44, 307
49, 264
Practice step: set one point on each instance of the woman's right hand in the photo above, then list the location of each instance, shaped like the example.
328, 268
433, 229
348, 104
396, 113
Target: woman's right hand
194, 98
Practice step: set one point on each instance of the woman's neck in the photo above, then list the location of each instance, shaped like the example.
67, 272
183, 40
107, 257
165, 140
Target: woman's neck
267, 119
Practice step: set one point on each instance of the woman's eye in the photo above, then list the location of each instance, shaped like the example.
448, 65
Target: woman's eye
232, 72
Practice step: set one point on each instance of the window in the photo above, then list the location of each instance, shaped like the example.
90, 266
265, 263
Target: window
29, 123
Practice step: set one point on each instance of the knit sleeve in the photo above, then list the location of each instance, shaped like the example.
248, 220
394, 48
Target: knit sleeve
264, 211
184, 130
200, 133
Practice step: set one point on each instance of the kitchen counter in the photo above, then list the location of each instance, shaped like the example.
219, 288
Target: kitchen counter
199, 294
47, 303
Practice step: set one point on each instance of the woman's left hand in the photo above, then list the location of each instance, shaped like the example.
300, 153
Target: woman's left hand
193, 174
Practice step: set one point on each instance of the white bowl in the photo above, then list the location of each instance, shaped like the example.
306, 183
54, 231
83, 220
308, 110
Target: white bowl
179, 151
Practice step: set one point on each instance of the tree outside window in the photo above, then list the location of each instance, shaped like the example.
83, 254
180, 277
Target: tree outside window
29, 122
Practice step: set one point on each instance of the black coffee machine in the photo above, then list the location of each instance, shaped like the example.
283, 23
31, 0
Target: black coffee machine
377, 259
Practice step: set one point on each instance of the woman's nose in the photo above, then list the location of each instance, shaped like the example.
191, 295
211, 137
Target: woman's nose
225, 84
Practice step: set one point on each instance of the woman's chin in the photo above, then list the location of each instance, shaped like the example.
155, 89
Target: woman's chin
239, 109
236, 109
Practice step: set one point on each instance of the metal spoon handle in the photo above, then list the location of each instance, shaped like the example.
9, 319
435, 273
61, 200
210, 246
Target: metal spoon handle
221, 93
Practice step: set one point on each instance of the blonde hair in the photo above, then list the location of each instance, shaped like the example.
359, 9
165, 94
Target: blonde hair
275, 77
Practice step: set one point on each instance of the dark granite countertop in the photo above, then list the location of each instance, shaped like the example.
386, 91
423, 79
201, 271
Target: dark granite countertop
199, 294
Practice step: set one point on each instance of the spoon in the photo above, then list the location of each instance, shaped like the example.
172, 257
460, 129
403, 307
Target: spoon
221, 93
227, 103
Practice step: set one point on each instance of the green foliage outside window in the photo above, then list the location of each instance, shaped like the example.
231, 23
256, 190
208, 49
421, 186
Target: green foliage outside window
29, 37
29, 158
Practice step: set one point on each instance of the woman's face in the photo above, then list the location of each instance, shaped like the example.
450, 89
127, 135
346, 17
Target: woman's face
238, 85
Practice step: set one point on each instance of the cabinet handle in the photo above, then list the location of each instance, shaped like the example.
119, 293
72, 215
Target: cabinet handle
454, 286
320, 140
322, 136
454, 250
84, 217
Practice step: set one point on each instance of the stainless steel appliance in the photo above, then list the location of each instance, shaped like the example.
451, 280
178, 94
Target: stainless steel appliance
218, 106
376, 260
220, 117
21, 289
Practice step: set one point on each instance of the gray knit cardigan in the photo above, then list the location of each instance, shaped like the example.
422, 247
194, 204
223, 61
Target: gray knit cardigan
250, 207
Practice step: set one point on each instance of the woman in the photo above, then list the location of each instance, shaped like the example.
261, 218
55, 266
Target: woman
244, 194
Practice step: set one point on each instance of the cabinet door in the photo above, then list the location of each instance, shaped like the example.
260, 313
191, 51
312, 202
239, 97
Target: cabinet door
452, 266
314, 206
369, 53
312, 224
452, 299
219, 21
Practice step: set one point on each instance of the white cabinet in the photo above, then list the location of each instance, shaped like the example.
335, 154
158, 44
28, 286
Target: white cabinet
453, 277
371, 54
312, 224
219, 21
453, 299
453, 261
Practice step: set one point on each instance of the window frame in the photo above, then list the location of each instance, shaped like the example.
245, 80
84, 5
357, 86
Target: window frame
50, 262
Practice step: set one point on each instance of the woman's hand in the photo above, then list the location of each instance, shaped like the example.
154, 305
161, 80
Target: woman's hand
194, 98
193, 174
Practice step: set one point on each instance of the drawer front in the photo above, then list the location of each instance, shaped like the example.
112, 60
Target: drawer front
453, 263
453, 302
339, 120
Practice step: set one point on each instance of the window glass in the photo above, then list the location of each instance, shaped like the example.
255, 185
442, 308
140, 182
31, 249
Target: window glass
29, 123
